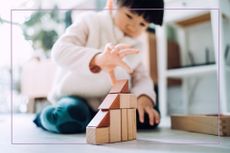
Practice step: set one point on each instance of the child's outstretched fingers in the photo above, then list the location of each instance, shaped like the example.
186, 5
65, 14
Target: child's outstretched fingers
141, 113
122, 46
126, 52
108, 47
125, 49
109, 5
151, 114
157, 117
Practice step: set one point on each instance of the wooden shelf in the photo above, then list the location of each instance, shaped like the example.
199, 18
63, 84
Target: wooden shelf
181, 15
195, 20
191, 71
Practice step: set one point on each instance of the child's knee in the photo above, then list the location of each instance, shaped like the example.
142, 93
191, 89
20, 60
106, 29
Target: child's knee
48, 119
70, 115
75, 118
79, 110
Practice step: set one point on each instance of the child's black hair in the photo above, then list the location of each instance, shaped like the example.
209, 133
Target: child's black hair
150, 15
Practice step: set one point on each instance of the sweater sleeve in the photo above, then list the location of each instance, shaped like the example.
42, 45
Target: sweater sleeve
142, 84
69, 52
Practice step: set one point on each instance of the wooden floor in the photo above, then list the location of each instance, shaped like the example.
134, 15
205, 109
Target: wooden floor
27, 138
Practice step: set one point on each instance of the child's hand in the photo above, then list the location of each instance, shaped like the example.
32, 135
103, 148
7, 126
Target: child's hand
112, 57
145, 105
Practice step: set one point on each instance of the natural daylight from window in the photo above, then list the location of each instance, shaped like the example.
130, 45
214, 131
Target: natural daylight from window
23, 47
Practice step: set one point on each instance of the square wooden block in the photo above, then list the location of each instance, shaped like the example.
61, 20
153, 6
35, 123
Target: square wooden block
97, 135
128, 101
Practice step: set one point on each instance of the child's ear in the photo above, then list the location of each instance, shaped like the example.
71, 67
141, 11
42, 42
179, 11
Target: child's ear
109, 5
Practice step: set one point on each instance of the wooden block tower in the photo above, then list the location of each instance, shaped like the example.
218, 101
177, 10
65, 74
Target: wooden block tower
116, 118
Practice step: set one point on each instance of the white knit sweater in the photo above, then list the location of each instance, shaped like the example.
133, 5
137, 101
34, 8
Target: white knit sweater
74, 50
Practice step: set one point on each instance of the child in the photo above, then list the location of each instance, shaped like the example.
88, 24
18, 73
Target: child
98, 44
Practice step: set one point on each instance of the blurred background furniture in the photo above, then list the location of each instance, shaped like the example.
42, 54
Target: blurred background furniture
183, 15
36, 81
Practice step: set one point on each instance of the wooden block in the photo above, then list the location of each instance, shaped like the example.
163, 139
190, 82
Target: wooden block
134, 122
124, 125
115, 125
128, 101
101, 119
121, 86
195, 123
116, 101
97, 135
225, 125
111, 101
132, 128
207, 124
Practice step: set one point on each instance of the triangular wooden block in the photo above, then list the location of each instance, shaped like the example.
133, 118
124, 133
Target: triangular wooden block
111, 101
101, 119
121, 86
116, 101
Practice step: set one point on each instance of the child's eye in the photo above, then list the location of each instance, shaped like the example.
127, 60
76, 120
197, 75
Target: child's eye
142, 24
129, 16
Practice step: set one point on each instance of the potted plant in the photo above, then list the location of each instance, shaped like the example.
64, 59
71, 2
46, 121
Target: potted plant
43, 28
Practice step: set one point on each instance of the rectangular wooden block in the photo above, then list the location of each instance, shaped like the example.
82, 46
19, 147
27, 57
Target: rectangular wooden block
128, 101
101, 119
207, 124
132, 128
124, 124
97, 135
115, 125
121, 86
134, 124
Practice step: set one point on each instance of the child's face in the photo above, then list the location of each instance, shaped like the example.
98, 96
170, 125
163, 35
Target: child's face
130, 23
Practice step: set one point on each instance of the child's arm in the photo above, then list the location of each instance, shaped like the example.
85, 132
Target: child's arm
69, 51
142, 86
112, 57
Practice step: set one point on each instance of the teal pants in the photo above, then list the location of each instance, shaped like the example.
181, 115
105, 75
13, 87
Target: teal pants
71, 115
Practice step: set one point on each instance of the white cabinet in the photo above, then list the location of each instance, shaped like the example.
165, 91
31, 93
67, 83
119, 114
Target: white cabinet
184, 13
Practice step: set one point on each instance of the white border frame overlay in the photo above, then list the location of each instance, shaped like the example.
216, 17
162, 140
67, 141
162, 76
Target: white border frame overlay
75, 143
